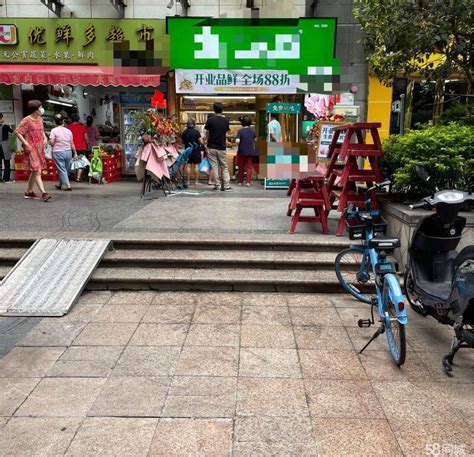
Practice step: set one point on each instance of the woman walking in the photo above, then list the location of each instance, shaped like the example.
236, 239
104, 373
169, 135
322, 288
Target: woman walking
246, 151
31, 134
63, 149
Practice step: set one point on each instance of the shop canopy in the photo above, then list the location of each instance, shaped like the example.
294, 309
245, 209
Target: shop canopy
84, 75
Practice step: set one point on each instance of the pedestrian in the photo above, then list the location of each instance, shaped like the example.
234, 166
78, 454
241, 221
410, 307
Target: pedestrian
5, 153
217, 128
192, 138
31, 134
92, 134
63, 149
246, 150
274, 129
79, 136
204, 135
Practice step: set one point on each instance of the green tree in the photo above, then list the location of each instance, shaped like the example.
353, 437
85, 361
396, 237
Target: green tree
403, 36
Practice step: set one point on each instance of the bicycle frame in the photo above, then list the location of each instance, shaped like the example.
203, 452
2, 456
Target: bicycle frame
394, 289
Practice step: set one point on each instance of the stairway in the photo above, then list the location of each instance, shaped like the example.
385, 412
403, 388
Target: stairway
276, 264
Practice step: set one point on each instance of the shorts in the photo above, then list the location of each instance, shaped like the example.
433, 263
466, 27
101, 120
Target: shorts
195, 157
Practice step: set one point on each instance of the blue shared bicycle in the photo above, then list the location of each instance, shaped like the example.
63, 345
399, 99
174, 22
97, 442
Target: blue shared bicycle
366, 273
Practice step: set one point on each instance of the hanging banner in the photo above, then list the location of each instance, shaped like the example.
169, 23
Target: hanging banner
235, 81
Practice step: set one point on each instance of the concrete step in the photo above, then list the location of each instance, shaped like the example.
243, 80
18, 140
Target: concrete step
215, 279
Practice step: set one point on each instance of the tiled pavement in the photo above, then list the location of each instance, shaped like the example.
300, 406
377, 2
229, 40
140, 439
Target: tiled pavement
219, 374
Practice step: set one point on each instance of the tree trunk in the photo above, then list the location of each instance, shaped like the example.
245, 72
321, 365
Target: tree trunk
409, 104
438, 101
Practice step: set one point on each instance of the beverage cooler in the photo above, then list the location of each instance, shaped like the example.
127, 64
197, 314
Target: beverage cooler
131, 140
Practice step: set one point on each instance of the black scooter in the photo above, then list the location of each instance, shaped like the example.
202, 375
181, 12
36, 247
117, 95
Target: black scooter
439, 281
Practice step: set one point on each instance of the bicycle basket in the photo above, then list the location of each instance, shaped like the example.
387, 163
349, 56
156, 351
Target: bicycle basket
356, 226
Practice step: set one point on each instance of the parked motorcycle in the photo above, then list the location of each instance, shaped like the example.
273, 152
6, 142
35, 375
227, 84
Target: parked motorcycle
439, 281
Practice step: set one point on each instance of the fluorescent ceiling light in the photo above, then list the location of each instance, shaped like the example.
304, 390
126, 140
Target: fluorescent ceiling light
54, 102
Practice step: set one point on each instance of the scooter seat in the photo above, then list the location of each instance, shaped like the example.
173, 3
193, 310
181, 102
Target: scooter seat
384, 243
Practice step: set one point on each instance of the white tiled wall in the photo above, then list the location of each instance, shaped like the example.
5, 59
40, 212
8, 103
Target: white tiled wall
155, 8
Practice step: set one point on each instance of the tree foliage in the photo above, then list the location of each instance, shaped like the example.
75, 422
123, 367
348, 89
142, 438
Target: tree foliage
432, 37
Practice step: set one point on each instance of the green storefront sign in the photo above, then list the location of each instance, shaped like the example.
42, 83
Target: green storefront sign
284, 108
304, 48
84, 41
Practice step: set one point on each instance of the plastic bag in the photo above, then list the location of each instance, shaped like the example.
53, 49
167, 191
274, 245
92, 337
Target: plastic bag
76, 164
205, 166
48, 152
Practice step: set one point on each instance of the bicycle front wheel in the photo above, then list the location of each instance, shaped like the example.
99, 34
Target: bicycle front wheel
394, 330
354, 272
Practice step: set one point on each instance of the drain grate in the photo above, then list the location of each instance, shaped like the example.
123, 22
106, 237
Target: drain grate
50, 277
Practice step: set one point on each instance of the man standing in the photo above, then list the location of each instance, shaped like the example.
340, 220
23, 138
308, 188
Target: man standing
217, 128
274, 129
5, 154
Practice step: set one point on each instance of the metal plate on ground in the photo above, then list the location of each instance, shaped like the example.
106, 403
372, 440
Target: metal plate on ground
50, 277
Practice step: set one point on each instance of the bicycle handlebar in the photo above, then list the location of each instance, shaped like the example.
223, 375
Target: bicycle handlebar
417, 205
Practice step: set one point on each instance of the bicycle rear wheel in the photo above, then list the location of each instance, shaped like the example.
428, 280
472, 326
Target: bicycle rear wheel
354, 272
394, 330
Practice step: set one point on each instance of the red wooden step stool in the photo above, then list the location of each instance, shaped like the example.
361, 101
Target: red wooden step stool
309, 192
342, 179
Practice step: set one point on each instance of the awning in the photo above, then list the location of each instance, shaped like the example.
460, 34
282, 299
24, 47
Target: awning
84, 75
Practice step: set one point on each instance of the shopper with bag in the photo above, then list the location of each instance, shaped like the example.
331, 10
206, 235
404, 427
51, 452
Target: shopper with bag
79, 136
63, 150
246, 150
192, 138
31, 134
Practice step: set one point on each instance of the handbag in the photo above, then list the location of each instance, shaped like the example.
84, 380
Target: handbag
205, 166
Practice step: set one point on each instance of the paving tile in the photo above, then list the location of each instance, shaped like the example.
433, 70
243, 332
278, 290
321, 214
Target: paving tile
190, 396
80, 312
219, 298
271, 397
52, 333
213, 335
208, 361
350, 316
312, 316
187, 437
342, 399
132, 298
322, 337
29, 361
347, 301
270, 448
461, 398
159, 335
174, 298
269, 363
380, 366
426, 339
19, 325
120, 313
463, 370
37, 436
296, 429
265, 315
62, 397
147, 361
309, 300
264, 299
223, 314
414, 401
105, 334
13, 391
339, 365
361, 336
433, 438
355, 437
267, 336
169, 314
131, 397
94, 297
113, 436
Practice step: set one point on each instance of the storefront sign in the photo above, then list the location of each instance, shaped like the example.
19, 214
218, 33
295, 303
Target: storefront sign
325, 137
136, 98
6, 107
105, 42
301, 47
284, 108
235, 81
276, 183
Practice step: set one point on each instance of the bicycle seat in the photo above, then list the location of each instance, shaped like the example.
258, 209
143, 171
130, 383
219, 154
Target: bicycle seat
383, 243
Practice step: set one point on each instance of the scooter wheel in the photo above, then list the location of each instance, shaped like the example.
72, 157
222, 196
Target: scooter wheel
407, 286
447, 361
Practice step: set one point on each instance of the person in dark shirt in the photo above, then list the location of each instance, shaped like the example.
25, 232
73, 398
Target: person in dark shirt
246, 151
5, 153
192, 138
217, 128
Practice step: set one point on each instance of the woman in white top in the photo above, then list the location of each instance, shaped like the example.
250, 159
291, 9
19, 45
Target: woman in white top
63, 150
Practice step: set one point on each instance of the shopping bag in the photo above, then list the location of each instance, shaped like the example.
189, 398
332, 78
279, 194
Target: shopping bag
83, 161
205, 166
76, 164
48, 152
